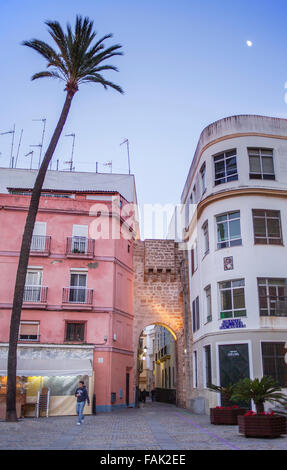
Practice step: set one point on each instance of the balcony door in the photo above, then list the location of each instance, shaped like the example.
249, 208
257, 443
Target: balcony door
78, 287
39, 237
80, 239
33, 286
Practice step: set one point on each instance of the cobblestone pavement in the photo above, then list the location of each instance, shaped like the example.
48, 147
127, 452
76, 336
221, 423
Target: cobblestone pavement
154, 426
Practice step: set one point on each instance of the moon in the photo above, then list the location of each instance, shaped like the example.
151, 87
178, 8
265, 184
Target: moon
249, 43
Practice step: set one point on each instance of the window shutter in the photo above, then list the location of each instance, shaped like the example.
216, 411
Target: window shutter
40, 229
80, 231
29, 329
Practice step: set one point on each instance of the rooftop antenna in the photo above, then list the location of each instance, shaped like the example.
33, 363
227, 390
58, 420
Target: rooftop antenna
126, 141
42, 141
72, 155
18, 148
110, 163
27, 155
12, 144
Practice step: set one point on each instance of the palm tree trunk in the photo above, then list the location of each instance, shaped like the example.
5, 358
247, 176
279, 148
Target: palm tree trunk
259, 407
11, 415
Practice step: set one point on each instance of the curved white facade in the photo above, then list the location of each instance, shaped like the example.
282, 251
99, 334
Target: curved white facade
234, 330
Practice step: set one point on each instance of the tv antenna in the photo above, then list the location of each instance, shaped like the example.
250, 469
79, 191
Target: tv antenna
126, 141
12, 144
110, 163
70, 162
18, 147
42, 141
27, 155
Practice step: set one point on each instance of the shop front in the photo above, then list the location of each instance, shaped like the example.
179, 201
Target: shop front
58, 376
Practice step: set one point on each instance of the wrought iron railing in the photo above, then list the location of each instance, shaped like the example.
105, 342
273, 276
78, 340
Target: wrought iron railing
80, 246
78, 295
40, 244
35, 294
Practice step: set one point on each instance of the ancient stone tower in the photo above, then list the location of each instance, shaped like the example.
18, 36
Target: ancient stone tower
160, 298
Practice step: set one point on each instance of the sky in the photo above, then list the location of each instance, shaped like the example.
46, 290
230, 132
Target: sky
186, 64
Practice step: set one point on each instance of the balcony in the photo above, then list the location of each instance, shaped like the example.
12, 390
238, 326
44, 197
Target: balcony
35, 297
40, 245
77, 297
80, 247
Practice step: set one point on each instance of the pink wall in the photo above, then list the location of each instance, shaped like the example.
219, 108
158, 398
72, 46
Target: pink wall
109, 274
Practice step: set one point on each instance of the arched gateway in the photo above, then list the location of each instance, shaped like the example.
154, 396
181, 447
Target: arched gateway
160, 298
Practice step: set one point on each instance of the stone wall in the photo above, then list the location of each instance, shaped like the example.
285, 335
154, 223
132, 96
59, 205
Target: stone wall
159, 299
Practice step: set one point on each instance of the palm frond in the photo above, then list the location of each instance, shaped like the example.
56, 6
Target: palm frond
46, 74
76, 59
106, 84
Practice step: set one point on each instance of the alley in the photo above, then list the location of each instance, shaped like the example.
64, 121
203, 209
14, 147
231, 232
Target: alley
154, 426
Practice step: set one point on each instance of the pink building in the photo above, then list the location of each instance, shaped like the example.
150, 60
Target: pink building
77, 316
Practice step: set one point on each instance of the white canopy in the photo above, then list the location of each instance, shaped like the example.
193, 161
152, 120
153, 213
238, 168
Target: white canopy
49, 367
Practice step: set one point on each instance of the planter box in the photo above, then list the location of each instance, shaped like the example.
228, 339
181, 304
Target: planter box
219, 416
262, 426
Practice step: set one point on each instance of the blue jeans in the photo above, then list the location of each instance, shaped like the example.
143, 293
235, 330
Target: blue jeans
80, 410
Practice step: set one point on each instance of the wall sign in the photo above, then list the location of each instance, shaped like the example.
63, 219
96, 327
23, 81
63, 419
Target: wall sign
234, 323
228, 263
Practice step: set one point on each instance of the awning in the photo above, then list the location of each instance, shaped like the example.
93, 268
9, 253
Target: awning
49, 367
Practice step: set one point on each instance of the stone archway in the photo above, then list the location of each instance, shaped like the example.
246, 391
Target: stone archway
158, 299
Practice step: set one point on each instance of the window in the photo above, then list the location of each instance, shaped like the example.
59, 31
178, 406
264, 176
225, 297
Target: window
261, 164
228, 230
188, 211
225, 167
33, 286
195, 369
232, 299
205, 238
38, 242
272, 297
208, 374
274, 364
195, 315
267, 227
194, 194
203, 178
194, 259
29, 331
80, 238
77, 291
75, 331
208, 307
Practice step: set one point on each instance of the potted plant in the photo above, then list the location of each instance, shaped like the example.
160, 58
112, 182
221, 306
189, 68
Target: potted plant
260, 423
225, 414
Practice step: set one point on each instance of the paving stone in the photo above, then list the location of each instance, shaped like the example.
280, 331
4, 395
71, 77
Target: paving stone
155, 426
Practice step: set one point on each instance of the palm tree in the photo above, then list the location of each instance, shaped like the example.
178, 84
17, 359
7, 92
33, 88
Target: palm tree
225, 392
76, 60
260, 391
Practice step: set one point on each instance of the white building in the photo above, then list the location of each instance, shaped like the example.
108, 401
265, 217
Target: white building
236, 229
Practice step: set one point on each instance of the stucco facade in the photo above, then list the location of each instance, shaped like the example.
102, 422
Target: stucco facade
79, 285
236, 231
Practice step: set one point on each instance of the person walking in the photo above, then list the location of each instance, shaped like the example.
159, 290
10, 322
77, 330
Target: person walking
82, 396
144, 395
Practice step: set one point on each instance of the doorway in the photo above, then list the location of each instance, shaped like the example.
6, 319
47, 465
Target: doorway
233, 365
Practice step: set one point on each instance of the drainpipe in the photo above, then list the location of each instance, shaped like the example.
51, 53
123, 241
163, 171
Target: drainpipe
187, 327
